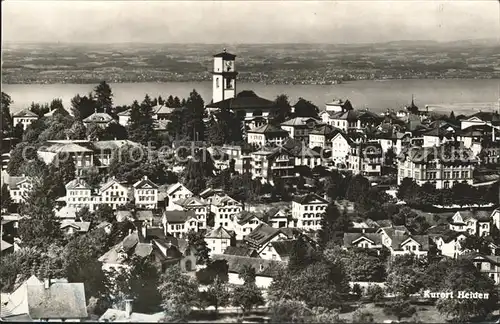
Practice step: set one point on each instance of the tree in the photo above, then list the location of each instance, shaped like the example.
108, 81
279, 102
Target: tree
56, 104
105, 213
301, 255
197, 241
83, 107
41, 228
247, 274
407, 189
294, 311
141, 124
114, 131
94, 132
7, 125
103, 96
284, 108
362, 316
400, 308
358, 188
333, 225
404, 276
247, 296
305, 108
179, 294
471, 280
84, 214
81, 264
139, 282
77, 131
360, 265
65, 166
6, 200
214, 269
195, 106
218, 294
321, 284
18, 267
476, 243
374, 293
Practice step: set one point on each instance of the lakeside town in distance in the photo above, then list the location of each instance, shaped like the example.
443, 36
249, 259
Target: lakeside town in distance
238, 208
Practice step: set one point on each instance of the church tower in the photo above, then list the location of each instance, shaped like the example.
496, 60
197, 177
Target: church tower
224, 77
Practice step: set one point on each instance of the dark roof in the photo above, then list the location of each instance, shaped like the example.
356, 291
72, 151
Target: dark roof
305, 199
178, 216
261, 234
243, 102
60, 300
263, 267
351, 237
225, 55
268, 129
239, 251
327, 130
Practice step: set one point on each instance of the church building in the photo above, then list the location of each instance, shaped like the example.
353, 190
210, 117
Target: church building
248, 106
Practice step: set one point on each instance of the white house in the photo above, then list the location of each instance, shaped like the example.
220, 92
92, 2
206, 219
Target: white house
451, 245
495, 217
218, 240
399, 241
266, 134
363, 240
225, 209
265, 270
261, 237
179, 222
114, 193
19, 188
308, 210
176, 192
146, 193
245, 224
200, 208
340, 149
474, 223
25, 117
280, 219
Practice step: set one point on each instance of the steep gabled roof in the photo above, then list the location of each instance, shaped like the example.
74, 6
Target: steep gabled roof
225, 55
219, 233
26, 113
78, 183
300, 121
306, 199
350, 238
145, 182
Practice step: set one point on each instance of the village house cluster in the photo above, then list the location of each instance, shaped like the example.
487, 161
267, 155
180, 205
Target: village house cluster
406, 143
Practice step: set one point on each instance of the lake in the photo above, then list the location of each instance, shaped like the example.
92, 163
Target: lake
376, 95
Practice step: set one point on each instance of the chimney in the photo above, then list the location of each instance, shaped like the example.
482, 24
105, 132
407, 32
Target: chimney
145, 178
128, 307
46, 283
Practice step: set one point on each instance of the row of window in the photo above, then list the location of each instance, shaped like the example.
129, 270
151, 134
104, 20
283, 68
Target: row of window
311, 208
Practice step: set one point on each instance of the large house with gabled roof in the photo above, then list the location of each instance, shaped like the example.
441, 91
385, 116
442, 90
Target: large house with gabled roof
308, 210
179, 222
400, 241
298, 128
146, 193
473, 222
176, 192
225, 210
267, 134
219, 239
200, 208
25, 117
269, 164
100, 119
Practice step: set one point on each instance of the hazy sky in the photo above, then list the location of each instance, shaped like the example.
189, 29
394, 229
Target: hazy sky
248, 21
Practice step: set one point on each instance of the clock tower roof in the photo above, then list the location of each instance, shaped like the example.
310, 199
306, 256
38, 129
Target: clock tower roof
225, 55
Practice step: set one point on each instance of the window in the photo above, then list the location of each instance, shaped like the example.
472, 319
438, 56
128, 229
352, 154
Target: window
414, 247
